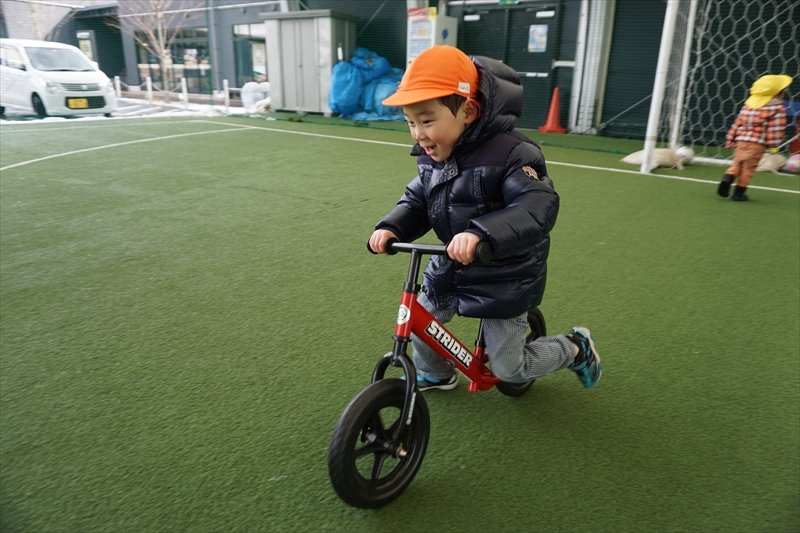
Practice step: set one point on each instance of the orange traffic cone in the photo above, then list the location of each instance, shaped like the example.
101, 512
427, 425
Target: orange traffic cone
553, 125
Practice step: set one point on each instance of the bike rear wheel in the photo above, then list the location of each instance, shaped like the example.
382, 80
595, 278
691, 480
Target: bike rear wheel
367, 466
537, 328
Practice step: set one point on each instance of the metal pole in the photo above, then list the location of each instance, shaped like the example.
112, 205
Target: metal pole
185, 93
148, 83
117, 87
227, 95
580, 62
667, 34
677, 113
212, 37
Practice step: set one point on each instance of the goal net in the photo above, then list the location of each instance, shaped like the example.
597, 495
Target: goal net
717, 49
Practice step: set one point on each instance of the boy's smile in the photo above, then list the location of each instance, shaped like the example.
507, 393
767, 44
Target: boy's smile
435, 128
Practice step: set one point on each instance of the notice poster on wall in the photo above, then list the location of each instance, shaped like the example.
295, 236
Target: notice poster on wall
190, 56
537, 38
86, 43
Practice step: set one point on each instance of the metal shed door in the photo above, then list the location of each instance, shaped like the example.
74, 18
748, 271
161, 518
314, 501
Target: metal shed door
526, 39
300, 65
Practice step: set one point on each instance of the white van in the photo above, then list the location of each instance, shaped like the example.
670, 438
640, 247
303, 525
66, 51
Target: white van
52, 79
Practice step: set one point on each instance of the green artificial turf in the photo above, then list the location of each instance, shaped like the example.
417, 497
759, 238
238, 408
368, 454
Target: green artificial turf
184, 316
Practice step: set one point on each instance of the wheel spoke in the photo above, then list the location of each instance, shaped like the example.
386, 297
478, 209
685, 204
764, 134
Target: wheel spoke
377, 438
372, 428
395, 429
371, 448
380, 458
374, 435
390, 433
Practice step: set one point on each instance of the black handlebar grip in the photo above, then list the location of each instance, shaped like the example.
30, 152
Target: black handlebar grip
389, 249
390, 244
484, 254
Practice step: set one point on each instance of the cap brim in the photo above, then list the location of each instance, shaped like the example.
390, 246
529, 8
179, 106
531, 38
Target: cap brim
784, 82
402, 97
755, 102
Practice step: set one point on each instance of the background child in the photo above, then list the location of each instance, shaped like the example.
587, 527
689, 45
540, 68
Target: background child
759, 125
479, 179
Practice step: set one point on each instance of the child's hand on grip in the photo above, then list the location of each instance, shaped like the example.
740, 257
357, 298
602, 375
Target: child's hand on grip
462, 247
378, 240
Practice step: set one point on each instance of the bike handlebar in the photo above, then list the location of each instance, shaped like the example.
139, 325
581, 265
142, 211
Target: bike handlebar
483, 251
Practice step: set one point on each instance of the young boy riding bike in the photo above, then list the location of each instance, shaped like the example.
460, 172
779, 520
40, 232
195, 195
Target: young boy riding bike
480, 179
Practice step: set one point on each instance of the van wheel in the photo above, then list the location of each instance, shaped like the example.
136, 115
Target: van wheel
38, 106
2, 111
107, 115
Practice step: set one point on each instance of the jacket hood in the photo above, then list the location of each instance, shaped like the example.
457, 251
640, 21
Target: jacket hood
501, 99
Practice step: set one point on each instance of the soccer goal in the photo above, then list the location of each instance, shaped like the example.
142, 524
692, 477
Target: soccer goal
711, 52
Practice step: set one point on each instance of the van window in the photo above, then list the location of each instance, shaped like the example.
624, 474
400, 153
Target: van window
60, 59
9, 57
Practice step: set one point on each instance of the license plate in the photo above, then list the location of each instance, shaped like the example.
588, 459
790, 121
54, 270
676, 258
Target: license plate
77, 103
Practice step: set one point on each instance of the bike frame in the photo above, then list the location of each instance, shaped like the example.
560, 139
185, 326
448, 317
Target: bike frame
413, 318
444, 343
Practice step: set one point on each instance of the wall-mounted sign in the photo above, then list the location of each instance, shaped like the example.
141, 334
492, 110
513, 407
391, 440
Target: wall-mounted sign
537, 38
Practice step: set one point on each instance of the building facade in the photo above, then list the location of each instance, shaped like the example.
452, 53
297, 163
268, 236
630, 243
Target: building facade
601, 55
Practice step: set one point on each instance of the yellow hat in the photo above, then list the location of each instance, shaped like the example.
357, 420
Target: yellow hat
765, 88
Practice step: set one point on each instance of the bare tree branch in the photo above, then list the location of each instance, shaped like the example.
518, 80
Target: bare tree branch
155, 24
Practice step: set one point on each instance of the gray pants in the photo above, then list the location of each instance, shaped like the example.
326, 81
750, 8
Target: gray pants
511, 358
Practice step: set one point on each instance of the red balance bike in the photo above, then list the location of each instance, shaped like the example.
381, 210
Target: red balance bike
381, 437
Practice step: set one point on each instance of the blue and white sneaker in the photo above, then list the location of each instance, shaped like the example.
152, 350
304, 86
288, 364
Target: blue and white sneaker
587, 365
426, 383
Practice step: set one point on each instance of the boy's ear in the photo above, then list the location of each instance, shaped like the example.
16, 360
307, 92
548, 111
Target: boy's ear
472, 111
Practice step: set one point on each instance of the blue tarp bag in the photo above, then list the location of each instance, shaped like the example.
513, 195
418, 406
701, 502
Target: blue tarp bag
384, 87
346, 88
375, 92
372, 65
358, 86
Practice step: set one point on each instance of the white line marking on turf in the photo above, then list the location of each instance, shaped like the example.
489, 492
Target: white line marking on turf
324, 136
664, 176
240, 127
103, 147
10, 128
549, 162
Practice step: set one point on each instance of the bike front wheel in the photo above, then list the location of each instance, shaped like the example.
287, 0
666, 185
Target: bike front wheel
368, 467
537, 328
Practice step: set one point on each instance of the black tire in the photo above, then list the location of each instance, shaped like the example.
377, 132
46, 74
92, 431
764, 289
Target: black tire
364, 465
38, 106
538, 328
536, 323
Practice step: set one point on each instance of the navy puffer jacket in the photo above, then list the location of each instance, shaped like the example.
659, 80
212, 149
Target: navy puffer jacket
494, 184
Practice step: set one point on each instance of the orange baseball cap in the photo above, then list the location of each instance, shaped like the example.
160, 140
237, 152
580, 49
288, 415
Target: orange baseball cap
438, 71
